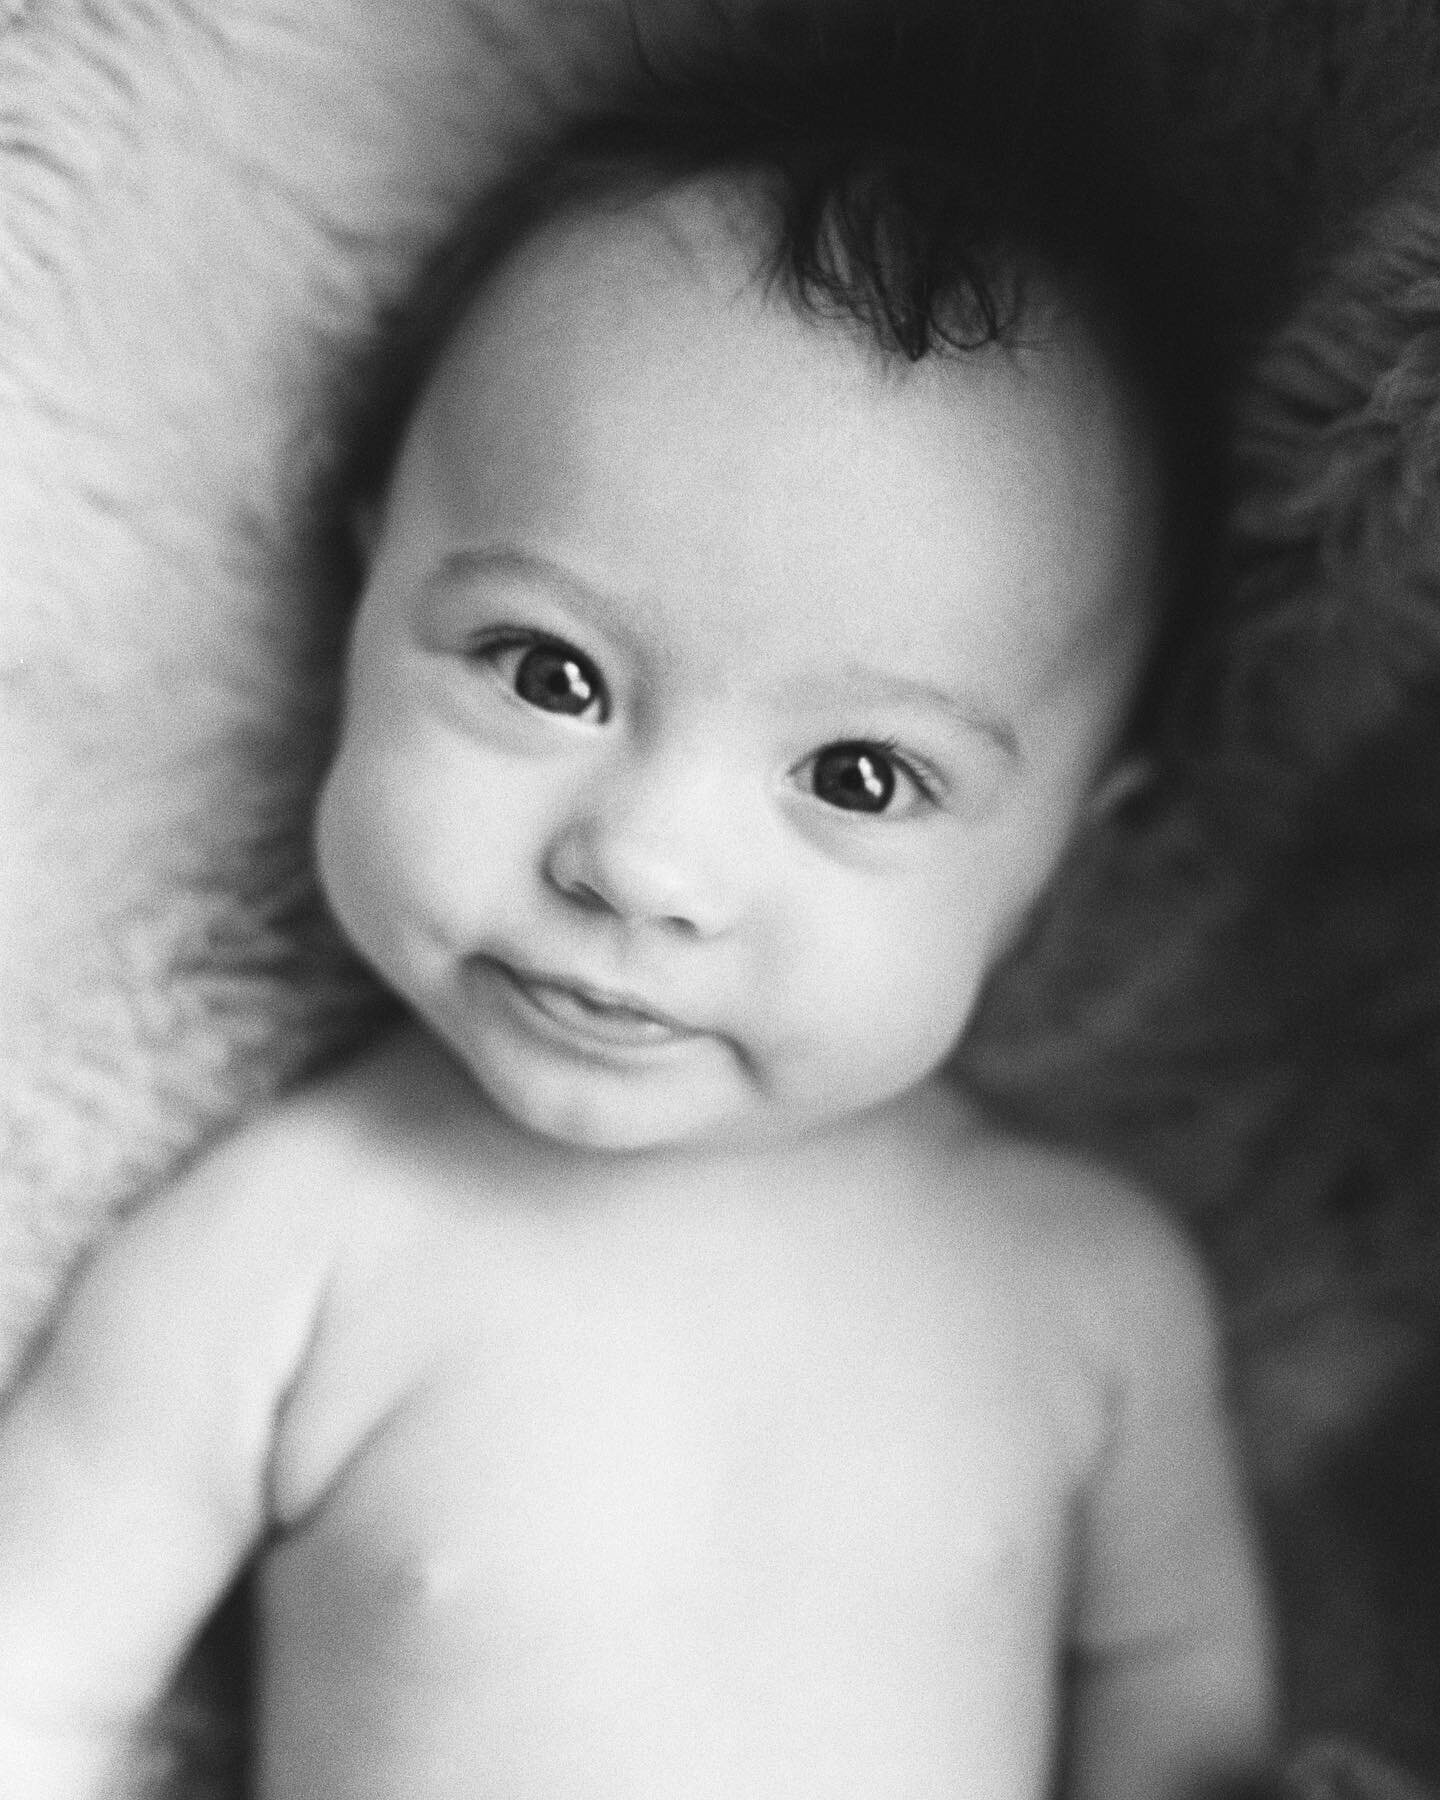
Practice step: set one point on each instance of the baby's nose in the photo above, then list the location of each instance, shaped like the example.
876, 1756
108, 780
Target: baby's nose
654, 843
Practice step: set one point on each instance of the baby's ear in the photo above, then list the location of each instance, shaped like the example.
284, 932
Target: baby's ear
1119, 783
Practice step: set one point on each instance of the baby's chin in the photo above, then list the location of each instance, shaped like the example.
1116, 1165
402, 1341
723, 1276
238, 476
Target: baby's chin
743, 1136
603, 1126
718, 1101
650, 1126
617, 1135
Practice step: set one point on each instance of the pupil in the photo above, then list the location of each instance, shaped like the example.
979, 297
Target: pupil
555, 679
855, 776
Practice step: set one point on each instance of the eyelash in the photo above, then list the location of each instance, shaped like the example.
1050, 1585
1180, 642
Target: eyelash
493, 647
575, 664
924, 779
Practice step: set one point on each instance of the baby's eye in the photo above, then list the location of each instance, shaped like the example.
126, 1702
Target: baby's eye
859, 776
550, 675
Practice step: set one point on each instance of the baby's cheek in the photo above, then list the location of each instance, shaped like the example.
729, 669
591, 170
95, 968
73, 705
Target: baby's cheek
357, 856
938, 943
935, 1005
335, 858
885, 1016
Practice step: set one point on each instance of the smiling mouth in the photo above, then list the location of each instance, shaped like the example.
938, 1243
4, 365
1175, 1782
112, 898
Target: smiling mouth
604, 1020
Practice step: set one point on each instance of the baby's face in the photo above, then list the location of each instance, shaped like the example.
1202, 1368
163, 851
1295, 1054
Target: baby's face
723, 692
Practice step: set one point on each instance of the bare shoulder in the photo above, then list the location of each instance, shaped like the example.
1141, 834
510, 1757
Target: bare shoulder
1131, 1274
337, 1138
288, 1186
232, 1260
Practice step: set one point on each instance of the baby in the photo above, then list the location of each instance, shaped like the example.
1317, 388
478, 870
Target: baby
644, 1376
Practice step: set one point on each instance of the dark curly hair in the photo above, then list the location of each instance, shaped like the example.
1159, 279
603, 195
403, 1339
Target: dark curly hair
913, 167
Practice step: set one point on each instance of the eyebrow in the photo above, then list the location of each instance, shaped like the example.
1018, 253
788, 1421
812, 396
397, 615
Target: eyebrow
860, 685
857, 686
512, 559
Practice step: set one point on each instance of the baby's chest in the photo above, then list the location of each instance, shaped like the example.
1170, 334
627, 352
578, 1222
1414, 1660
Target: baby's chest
625, 1530
622, 1461
643, 1410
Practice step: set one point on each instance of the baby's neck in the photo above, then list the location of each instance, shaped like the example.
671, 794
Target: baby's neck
781, 1168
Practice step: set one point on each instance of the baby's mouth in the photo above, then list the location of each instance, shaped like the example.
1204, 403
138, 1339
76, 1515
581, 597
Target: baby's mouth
591, 1013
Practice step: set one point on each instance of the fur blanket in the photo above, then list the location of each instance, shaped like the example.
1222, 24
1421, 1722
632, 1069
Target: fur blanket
206, 206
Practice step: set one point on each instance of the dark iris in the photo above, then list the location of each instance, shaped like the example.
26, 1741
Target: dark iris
859, 777
557, 679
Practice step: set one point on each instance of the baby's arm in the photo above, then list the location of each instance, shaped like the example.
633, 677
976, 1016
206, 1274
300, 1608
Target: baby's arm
133, 1464
1173, 1694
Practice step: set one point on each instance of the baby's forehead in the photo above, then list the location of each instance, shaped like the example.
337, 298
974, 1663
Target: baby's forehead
653, 242
653, 301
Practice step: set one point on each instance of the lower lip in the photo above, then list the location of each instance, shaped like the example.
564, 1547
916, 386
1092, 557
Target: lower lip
604, 1031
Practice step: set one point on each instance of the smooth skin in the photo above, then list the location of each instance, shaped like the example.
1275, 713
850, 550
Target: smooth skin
644, 1376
